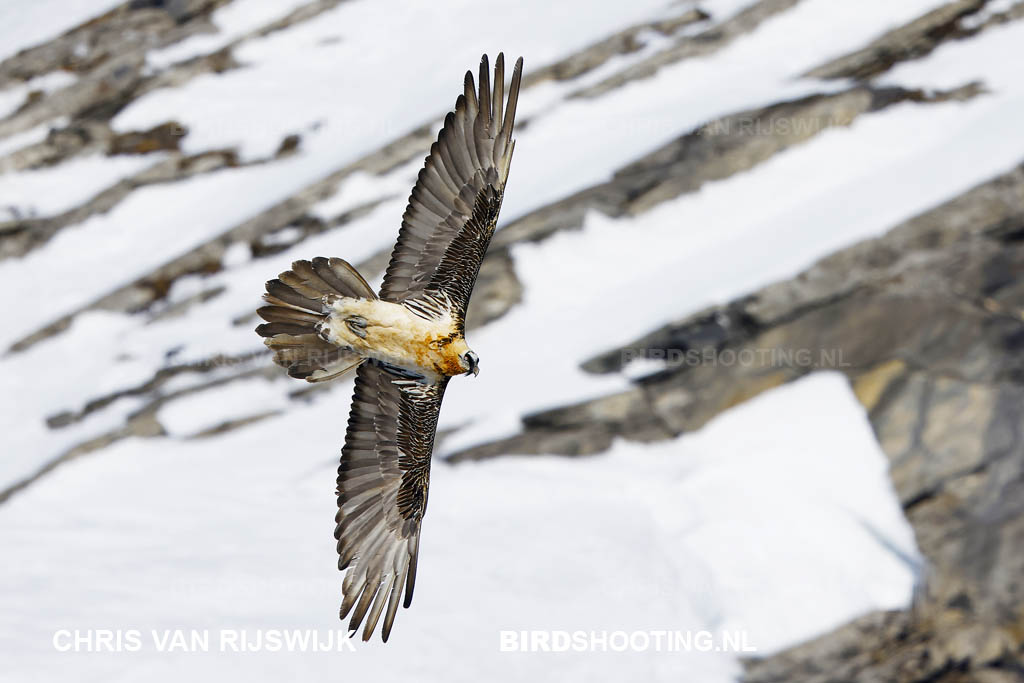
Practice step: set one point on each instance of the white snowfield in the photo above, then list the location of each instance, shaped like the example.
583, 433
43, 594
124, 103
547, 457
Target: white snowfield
776, 520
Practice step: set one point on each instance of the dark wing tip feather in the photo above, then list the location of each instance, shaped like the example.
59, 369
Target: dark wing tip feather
410, 573
513, 99
484, 95
499, 90
482, 130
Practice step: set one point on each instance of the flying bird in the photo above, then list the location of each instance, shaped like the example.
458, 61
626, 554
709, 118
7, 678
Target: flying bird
405, 342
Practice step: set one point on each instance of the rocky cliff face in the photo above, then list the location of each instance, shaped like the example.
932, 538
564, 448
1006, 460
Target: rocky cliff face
927, 323
925, 320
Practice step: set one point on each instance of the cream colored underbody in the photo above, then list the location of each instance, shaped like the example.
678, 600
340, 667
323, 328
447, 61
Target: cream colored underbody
396, 335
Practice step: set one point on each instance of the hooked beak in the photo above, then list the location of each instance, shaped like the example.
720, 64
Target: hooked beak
474, 364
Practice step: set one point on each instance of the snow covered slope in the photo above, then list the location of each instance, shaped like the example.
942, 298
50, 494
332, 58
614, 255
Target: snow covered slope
751, 525
157, 473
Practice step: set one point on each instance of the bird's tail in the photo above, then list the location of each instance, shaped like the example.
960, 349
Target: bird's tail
297, 302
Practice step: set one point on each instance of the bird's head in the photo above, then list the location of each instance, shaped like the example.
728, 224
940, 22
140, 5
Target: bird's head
470, 363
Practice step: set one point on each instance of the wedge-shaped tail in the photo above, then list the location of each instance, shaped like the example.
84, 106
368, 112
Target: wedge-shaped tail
297, 302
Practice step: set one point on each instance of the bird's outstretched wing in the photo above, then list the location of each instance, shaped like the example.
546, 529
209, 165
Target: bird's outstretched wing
385, 463
454, 206
382, 491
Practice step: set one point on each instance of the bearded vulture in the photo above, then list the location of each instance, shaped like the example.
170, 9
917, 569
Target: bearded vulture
323, 319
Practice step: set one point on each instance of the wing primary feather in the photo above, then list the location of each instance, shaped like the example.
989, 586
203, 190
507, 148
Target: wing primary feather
513, 98
485, 114
393, 600
410, 575
499, 90
349, 599
469, 92
378, 605
483, 139
369, 590
469, 119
